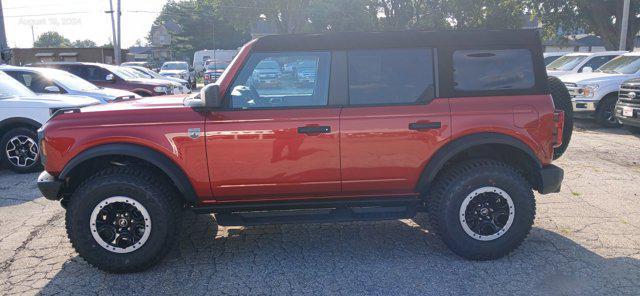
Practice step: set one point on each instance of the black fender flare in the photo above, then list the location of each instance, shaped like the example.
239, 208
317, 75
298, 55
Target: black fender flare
152, 156
20, 120
451, 149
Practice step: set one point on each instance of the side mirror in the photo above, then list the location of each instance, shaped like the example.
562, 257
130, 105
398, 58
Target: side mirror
110, 77
209, 97
52, 89
587, 70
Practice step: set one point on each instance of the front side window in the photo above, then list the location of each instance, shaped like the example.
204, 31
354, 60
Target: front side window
596, 62
390, 76
292, 79
493, 70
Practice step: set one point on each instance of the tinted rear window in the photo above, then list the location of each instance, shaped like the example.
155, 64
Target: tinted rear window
490, 70
390, 76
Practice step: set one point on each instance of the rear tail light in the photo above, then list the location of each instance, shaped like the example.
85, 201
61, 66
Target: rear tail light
558, 121
206, 76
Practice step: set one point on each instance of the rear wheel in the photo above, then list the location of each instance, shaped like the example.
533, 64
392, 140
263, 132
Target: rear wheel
605, 114
562, 101
483, 209
21, 153
123, 219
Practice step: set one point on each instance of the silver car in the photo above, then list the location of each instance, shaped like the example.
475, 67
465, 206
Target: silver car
54, 81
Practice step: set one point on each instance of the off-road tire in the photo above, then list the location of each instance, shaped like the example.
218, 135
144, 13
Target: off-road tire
36, 166
562, 101
145, 187
607, 103
453, 186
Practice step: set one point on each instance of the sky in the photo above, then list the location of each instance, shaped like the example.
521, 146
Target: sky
77, 19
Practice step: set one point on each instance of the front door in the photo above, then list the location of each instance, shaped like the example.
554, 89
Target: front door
277, 137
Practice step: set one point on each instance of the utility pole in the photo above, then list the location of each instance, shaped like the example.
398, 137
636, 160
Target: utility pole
5, 52
33, 37
624, 26
114, 39
118, 53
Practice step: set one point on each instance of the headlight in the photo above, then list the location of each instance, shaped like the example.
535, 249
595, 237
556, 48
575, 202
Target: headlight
586, 91
160, 89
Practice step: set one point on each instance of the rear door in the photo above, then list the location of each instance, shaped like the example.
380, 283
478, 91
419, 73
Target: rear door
393, 123
277, 137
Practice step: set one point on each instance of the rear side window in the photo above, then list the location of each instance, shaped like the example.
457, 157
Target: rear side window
390, 76
491, 70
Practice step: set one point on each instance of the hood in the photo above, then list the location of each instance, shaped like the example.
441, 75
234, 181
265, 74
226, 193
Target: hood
596, 78
113, 92
174, 79
170, 101
173, 71
51, 101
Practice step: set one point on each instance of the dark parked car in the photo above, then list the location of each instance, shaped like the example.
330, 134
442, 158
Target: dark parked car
113, 77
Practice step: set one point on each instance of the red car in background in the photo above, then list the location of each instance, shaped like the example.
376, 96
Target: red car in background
213, 70
114, 77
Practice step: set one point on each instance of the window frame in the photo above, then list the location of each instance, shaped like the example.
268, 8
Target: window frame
331, 102
434, 70
446, 73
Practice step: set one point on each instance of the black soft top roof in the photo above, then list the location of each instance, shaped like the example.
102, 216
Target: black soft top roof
391, 39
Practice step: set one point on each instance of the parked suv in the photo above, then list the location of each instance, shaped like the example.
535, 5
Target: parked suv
595, 94
112, 76
179, 70
22, 112
54, 81
380, 133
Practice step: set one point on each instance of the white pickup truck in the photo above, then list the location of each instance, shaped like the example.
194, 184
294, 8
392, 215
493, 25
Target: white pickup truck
22, 112
577, 62
595, 93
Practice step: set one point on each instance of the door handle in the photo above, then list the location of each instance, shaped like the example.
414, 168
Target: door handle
314, 129
424, 125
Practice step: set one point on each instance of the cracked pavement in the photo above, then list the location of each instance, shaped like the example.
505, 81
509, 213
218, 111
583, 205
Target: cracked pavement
585, 241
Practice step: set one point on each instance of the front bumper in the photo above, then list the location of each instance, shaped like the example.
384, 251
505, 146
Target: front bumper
550, 179
49, 186
632, 119
584, 106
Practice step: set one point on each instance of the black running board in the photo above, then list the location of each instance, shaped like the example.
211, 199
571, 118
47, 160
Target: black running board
314, 212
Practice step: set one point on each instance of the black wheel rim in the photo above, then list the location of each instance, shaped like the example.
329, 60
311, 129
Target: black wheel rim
487, 213
120, 224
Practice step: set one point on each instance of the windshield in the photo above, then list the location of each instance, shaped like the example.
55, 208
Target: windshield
217, 66
122, 72
268, 65
10, 87
71, 81
566, 63
147, 72
621, 65
175, 66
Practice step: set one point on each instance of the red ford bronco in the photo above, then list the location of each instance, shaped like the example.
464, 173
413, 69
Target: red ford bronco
461, 124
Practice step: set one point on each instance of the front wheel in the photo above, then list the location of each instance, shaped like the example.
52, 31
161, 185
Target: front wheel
21, 153
123, 219
605, 114
483, 209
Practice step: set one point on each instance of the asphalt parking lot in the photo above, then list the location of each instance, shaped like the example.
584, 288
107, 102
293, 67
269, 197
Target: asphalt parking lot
585, 241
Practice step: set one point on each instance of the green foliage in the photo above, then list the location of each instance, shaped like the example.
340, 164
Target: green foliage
51, 39
194, 22
83, 43
601, 17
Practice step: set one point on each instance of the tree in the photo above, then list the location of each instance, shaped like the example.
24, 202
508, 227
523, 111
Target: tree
51, 39
191, 25
83, 43
602, 18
